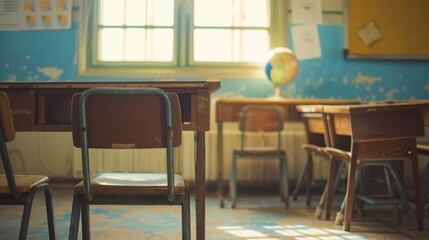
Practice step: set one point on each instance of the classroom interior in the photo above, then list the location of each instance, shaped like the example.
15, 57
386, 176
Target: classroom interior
52, 57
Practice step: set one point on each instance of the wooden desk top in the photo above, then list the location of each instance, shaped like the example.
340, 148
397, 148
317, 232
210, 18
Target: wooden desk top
376, 107
292, 101
229, 109
211, 85
45, 106
376, 120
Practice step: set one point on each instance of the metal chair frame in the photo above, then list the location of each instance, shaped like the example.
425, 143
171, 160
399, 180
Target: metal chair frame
254, 153
81, 201
15, 196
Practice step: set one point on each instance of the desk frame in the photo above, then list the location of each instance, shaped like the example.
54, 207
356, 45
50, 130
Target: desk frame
390, 136
228, 110
47, 107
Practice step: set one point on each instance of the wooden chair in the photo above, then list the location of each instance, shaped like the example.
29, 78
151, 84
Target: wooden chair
268, 119
20, 189
314, 146
385, 139
317, 139
127, 118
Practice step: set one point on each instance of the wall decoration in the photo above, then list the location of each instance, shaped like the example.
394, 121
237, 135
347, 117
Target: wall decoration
36, 14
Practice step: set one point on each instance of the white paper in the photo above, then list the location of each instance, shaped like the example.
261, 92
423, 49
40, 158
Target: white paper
10, 15
369, 33
307, 11
306, 41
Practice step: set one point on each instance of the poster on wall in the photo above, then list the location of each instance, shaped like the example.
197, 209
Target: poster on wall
35, 14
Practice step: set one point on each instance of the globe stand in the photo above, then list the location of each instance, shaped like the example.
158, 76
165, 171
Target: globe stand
277, 93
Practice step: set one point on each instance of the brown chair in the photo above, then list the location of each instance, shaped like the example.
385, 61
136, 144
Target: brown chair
124, 118
20, 189
260, 119
315, 143
374, 142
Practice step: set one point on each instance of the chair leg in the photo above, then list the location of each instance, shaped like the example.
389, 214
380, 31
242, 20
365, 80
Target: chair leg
322, 202
284, 182
26, 214
330, 186
425, 187
50, 213
399, 187
339, 219
350, 192
300, 181
186, 215
86, 232
74, 218
417, 193
233, 182
309, 180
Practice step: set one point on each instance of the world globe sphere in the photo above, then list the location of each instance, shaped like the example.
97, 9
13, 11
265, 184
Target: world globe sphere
281, 66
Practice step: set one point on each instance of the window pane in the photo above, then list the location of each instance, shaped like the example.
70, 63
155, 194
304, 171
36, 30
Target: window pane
230, 45
149, 45
111, 44
112, 12
162, 12
246, 13
162, 45
149, 12
206, 12
136, 13
250, 45
136, 45
212, 45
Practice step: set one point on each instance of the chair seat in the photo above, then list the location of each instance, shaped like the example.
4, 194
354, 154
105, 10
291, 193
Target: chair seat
258, 151
314, 149
24, 183
344, 155
133, 184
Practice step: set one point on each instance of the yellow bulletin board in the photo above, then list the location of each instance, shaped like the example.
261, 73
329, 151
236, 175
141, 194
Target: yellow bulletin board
391, 29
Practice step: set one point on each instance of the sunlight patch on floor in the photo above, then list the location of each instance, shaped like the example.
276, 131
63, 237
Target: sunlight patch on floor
297, 232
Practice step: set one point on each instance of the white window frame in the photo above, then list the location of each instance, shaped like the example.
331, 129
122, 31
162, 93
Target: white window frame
182, 66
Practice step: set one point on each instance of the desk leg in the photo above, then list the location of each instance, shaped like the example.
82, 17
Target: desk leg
330, 186
350, 192
200, 179
417, 192
220, 163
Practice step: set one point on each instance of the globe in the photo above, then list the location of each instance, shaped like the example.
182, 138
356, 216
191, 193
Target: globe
281, 67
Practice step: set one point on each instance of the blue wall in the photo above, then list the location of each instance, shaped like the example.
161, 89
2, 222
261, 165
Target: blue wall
39, 56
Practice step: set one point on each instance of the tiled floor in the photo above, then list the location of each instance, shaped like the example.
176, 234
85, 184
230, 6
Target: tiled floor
257, 217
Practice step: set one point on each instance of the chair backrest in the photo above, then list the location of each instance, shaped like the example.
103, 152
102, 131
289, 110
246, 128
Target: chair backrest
126, 118
261, 119
7, 134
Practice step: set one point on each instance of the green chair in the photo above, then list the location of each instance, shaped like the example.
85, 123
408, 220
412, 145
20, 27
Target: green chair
20, 189
127, 118
268, 119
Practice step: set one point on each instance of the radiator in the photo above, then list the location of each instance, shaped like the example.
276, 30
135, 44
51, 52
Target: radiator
255, 170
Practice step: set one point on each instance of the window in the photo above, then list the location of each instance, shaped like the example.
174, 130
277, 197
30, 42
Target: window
179, 38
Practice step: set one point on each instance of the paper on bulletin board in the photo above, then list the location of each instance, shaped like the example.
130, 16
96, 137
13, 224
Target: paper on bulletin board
306, 41
307, 11
10, 15
35, 14
46, 14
